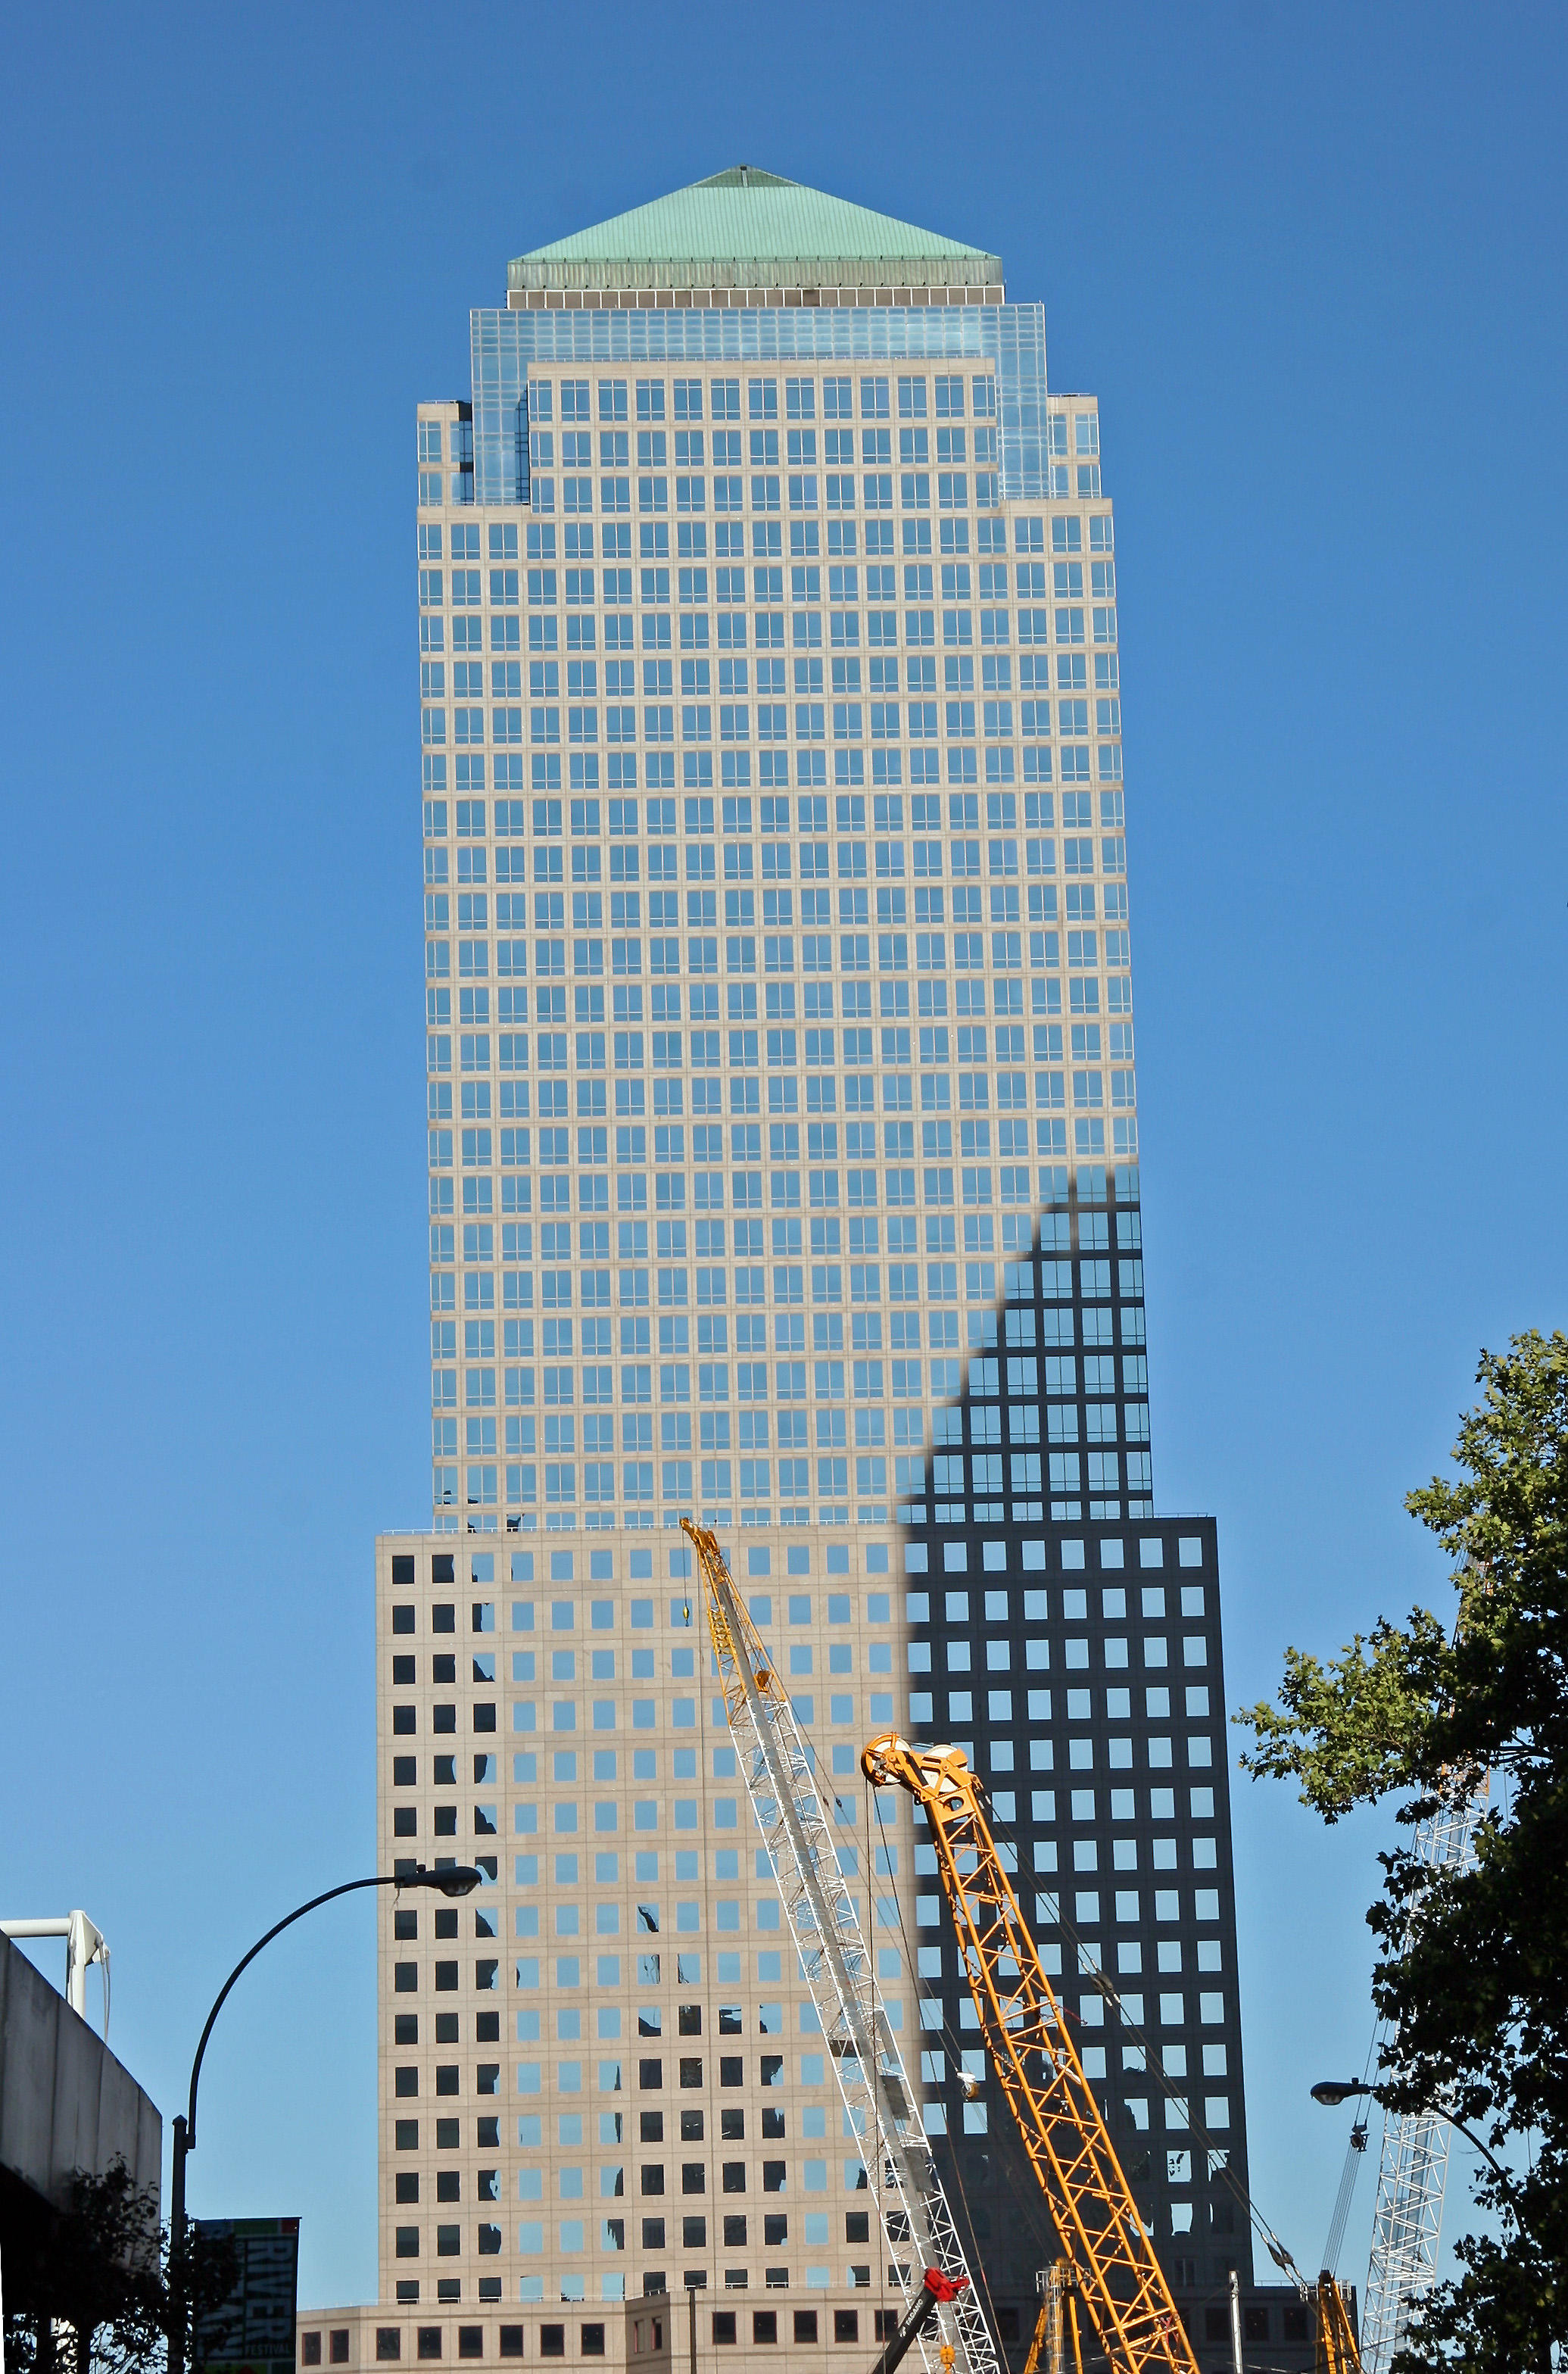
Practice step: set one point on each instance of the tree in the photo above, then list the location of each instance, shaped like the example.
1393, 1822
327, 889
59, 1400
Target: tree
95, 2267
1474, 1983
98, 2268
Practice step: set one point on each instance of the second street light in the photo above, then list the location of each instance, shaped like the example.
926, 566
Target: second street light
1332, 2091
456, 1879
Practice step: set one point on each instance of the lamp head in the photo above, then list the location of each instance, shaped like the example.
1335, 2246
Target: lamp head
452, 1879
1332, 2091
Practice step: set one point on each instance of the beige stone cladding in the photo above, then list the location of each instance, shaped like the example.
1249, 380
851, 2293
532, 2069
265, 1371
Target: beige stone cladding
369, 2334
603, 2070
796, 1046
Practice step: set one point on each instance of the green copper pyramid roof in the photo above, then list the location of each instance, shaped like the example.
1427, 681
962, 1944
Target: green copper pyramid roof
743, 228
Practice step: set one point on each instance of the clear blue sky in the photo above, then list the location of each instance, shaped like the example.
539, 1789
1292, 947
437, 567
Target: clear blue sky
1313, 264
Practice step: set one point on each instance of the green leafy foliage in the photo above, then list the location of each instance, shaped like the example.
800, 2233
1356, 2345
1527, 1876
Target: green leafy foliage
1472, 1972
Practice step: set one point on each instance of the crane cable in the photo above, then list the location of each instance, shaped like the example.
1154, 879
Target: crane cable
1219, 2159
1355, 2152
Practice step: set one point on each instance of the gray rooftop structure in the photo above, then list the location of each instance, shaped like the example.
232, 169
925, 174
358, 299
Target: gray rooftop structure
67, 2105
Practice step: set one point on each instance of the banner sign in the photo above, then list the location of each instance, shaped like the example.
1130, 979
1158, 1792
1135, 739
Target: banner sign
252, 2330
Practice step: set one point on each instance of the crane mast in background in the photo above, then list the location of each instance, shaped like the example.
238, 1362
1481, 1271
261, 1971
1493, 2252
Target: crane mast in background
1119, 2280
1407, 2224
1337, 2352
917, 2222
1058, 2322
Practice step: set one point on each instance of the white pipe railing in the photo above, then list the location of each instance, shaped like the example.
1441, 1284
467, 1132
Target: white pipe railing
85, 1943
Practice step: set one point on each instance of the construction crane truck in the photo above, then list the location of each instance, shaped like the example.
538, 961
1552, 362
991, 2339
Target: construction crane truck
1109, 2262
1119, 2280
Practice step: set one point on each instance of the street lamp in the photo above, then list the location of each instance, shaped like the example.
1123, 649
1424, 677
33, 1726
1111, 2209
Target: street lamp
1332, 2091
456, 1879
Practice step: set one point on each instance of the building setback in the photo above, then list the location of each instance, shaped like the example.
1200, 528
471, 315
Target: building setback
783, 1170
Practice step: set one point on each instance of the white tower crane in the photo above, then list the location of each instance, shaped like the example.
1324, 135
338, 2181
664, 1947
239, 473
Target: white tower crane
917, 2222
1407, 2223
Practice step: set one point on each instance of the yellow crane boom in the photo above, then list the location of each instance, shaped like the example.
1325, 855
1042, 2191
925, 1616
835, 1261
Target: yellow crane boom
1336, 2350
1120, 2281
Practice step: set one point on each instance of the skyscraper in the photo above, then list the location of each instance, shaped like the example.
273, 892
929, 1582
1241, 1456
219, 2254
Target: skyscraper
783, 1170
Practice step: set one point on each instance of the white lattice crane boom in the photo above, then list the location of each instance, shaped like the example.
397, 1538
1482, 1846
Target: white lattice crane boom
1407, 2223
917, 2222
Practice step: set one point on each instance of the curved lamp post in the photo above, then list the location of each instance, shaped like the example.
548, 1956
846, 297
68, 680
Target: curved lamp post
458, 1879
